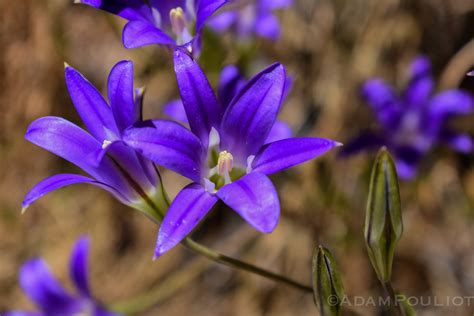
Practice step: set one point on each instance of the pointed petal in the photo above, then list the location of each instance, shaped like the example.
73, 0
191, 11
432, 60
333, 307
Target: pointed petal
99, 311
288, 86
127, 9
279, 131
186, 211
60, 181
255, 199
78, 266
249, 119
168, 144
44, 290
222, 21
230, 82
130, 160
407, 160
383, 101
120, 89
137, 167
72, 143
22, 313
141, 33
267, 26
206, 8
64, 139
365, 141
201, 105
421, 82
91, 106
458, 141
286, 153
275, 4
175, 110
405, 169
451, 102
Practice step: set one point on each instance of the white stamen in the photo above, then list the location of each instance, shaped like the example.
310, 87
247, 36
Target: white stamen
250, 160
106, 144
209, 186
156, 16
212, 172
214, 138
190, 8
225, 163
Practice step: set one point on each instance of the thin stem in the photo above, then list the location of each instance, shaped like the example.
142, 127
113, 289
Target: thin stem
395, 305
241, 265
144, 302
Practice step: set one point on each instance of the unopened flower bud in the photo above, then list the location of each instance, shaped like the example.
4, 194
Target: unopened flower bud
327, 286
383, 221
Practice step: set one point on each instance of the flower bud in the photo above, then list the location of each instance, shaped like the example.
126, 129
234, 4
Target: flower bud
383, 221
327, 286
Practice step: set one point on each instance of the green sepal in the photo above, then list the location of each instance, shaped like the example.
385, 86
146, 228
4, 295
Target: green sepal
328, 290
383, 221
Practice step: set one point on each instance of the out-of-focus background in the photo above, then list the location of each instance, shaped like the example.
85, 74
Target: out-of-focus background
330, 47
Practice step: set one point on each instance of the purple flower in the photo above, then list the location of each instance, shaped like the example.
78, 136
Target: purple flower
50, 296
164, 22
231, 81
413, 121
224, 154
251, 17
112, 164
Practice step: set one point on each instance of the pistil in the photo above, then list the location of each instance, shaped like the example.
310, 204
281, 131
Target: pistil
178, 23
225, 163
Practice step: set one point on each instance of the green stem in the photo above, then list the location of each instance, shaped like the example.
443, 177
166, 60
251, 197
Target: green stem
241, 265
395, 307
235, 263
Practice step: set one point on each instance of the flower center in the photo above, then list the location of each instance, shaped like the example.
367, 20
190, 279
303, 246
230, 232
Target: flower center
220, 163
222, 170
179, 25
409, 132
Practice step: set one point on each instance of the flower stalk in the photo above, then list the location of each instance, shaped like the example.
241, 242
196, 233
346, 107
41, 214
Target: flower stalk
220, 258
241, 265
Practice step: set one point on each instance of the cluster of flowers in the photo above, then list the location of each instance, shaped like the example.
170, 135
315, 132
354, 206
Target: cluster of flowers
226, 144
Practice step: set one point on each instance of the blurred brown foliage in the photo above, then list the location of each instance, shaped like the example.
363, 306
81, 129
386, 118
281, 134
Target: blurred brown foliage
330, 47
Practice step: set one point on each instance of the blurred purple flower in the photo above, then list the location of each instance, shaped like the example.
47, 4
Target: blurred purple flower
50, 296
231, 81
224, 154
112, 164
415, 120
251, 17
164, 22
